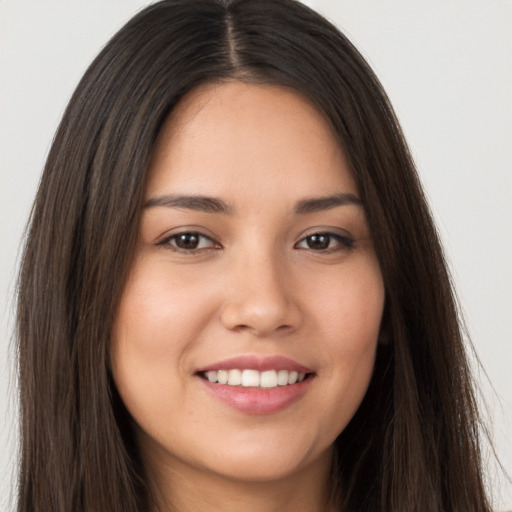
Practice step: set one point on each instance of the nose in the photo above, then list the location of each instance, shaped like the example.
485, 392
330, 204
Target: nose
260, 297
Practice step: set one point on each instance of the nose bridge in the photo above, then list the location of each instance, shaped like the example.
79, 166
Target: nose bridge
259, 294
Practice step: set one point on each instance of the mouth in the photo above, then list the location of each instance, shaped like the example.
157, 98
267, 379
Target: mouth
250, 378
257, 385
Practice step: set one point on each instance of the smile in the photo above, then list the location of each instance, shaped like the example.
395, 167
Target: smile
255, 384
254, 378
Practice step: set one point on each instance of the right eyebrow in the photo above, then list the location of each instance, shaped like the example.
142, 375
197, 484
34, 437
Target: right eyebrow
192, 202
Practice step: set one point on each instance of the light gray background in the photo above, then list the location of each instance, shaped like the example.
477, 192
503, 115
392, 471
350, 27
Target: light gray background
447, 66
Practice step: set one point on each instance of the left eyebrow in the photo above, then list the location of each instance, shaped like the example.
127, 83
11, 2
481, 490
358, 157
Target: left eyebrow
318, 204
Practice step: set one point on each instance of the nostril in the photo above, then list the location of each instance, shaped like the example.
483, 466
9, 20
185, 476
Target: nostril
259, 317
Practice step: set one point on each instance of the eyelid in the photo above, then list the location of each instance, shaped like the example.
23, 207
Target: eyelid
164, 240
188, 228
343, 237
326, 230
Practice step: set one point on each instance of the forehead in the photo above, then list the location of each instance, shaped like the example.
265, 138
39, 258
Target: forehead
226, 134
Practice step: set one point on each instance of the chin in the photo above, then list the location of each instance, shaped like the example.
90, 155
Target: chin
268, 461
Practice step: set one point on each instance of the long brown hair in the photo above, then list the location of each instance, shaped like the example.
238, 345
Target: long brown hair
412, 445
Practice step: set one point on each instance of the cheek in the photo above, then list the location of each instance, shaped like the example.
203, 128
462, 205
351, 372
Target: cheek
348, 321
157, 325
161, 311
349, 306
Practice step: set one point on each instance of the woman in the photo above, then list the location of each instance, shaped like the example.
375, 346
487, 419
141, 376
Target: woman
232, 294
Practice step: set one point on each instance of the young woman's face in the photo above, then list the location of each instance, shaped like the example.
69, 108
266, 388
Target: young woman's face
246, 333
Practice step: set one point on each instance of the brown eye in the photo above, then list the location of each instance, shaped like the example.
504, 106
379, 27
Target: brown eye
318, 242
327, 242
189, 242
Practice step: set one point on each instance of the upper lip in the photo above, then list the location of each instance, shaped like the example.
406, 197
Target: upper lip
259, 363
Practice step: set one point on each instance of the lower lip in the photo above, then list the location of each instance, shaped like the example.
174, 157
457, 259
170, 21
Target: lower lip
258, 400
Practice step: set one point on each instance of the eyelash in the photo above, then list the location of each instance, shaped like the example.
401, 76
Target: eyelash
346, 242
168, 242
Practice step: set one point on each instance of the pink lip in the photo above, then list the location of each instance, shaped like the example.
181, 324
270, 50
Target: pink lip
251, 400
258, 400
257, 363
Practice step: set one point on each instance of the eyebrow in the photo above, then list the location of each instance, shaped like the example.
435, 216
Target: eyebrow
199, 203
318, 204
215, 205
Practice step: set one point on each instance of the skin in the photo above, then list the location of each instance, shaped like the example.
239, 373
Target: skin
255, 285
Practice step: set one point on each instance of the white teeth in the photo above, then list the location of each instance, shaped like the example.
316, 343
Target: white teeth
254, 378
212, 376
268, 379
235, 377
292, 377
250, 378
222, 377
282, 377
